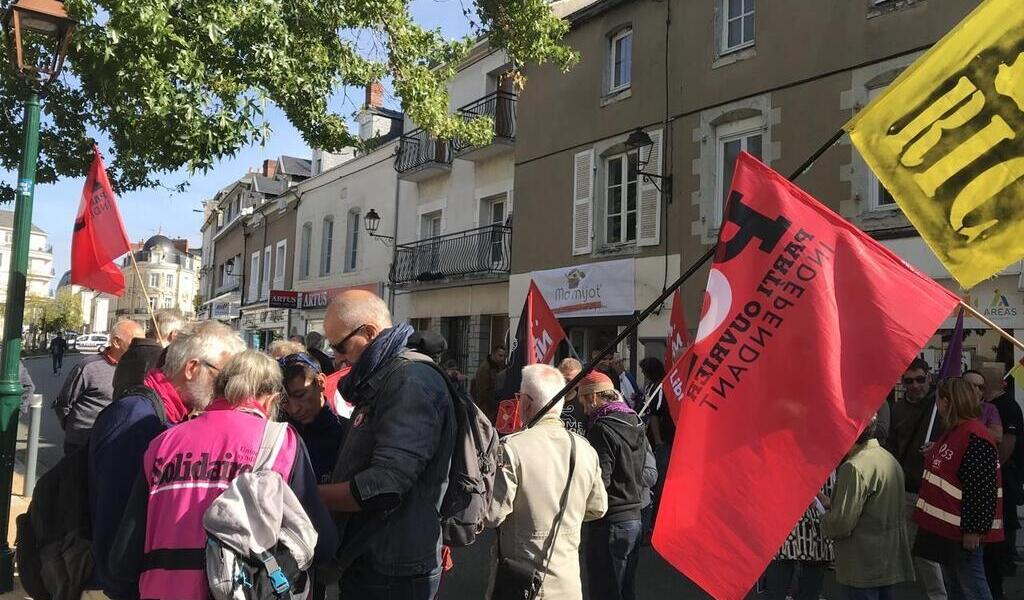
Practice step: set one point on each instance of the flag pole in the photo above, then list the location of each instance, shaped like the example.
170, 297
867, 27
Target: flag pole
145, 292
627, 331
996, 328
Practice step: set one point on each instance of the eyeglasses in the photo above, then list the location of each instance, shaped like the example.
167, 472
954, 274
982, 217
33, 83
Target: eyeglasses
299, 358
212, 366
339, 348
919, 380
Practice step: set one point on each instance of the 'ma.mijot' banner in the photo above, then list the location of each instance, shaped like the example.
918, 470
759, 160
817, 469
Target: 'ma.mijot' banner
947, 140
808, 324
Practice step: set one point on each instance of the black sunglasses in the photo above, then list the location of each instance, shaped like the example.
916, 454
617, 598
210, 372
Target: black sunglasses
338, 347
919, 379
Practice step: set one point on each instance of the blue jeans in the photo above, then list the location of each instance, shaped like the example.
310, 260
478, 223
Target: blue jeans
360, 582
613, 554
874, 593
967, 577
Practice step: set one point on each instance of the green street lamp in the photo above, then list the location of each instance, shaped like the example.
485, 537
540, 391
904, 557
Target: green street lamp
38, 33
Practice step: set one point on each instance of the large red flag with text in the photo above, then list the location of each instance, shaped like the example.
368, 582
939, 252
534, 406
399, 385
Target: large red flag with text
678, 339
808, 323
99, 237
537, 338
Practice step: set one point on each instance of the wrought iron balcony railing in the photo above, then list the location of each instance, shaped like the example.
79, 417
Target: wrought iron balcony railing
418, 149
481, 252
500, 106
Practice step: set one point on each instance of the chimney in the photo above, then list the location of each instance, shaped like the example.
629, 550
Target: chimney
269, 168
181, 245
374, 95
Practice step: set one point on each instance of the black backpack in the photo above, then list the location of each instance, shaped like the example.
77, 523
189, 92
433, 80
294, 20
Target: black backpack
54, 540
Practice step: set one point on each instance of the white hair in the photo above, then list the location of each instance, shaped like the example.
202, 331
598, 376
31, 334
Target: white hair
283, 348
355, 309
542, 383
168, 321
248, 375
206, 341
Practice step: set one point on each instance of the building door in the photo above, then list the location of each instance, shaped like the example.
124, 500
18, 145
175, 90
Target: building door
493, 212
428, 258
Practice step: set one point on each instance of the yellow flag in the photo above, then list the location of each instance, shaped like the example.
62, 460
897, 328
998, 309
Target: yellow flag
947, 140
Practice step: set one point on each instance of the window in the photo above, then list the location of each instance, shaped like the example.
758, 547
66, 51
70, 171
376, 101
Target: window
254, 275
621, 56
492, 213
352, 243
154, 280
620, 198
279, 268
879, 198
305, 249
430, 225
738, 24
170, 280
168, 302
326, 245
428, 257
265, 288
733, 138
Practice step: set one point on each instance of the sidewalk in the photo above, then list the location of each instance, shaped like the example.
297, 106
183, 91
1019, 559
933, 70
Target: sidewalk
19, 504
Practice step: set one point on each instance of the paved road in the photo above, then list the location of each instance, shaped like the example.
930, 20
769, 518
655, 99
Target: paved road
656, 579
51, 436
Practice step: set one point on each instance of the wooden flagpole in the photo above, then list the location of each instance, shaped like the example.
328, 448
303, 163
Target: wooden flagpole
145, 292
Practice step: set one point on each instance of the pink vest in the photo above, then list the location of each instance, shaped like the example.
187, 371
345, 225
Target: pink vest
188, 466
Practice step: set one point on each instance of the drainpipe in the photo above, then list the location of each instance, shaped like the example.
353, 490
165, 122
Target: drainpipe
394, 244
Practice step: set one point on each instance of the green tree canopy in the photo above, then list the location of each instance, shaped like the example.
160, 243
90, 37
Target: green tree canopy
184, 83
61, 313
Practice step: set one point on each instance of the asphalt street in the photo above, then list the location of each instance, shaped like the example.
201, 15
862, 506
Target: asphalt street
656, 580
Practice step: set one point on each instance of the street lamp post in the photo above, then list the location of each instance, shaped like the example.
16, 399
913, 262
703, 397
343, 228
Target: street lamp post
38, 33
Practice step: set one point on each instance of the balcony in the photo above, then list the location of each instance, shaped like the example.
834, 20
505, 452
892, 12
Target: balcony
501, 107
480, 253
421, 156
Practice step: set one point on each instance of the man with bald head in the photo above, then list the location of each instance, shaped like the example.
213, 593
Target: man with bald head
392, 471
88, 388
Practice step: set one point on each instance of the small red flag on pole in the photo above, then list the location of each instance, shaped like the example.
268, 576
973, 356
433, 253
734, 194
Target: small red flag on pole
99, 237
807, 326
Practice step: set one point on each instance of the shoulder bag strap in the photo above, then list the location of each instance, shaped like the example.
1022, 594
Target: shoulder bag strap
549, 548
270, 446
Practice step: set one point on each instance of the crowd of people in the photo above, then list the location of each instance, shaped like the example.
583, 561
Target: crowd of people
169, 418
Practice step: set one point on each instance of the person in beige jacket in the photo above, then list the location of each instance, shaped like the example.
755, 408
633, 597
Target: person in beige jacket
533, 471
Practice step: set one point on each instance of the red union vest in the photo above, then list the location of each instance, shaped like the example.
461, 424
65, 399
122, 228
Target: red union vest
938, 505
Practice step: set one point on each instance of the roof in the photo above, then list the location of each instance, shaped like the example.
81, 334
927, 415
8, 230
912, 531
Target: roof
579, 11
65, 279
296, 167
268, 185
7, 221
159, 241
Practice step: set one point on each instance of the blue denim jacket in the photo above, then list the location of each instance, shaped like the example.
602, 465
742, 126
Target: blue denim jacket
399, 450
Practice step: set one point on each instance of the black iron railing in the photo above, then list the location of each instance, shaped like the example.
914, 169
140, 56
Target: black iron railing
481, 252
500, 106
418, 149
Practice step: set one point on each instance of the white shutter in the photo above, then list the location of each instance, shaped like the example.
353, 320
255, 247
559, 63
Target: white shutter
649, 204
582, 202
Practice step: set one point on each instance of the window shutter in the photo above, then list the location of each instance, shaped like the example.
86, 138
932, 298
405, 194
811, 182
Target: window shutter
650, 198
582, 202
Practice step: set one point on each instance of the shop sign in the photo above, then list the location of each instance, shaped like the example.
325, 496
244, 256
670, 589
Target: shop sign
284, 299
998, 299
314, 298
593, 289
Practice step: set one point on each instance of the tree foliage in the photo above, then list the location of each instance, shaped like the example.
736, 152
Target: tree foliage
61, 313
185, 83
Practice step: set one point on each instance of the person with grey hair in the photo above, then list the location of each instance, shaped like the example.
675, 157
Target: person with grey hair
392, 472
281, 348
144, 353
164, 518
184, 384
89, 387
314, 347
535, 466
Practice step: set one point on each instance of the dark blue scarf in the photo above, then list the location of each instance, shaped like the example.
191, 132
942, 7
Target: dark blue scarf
389, 344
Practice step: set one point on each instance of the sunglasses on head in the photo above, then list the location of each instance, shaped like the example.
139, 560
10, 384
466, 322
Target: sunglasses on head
299, 358
918, 379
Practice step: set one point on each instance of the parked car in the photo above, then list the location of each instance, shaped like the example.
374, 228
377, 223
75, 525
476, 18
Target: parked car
93, 342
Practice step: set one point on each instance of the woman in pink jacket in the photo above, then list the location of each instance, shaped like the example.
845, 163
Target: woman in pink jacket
161, 543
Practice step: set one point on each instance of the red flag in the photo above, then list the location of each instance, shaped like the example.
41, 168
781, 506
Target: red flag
678, 340
537, 339
99, 237
792, 284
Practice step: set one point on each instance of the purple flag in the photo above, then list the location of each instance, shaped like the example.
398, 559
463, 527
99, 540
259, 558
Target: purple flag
951, 365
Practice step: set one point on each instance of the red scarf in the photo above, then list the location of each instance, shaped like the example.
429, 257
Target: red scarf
173, 405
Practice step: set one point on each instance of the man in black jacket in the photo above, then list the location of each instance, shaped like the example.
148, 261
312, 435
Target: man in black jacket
392, 471
145, 353
617, 434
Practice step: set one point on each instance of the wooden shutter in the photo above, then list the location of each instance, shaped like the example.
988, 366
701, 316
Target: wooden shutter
649, 205
582, 202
